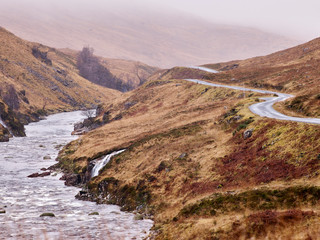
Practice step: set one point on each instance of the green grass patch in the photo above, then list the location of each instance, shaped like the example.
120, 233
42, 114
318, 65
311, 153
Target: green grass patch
254, 200
244, 124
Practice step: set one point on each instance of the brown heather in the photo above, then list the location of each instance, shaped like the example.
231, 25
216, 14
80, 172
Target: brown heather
184, 144
187, 162
295, 71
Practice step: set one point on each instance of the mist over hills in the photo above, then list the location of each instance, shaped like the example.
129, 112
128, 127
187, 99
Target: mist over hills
157, 37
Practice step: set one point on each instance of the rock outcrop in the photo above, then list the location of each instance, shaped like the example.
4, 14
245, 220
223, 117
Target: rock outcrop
248, 133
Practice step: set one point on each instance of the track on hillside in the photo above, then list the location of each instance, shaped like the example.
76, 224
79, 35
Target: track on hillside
263, 109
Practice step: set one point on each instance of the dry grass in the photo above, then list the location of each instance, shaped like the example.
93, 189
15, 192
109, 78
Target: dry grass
178, 136
157, 109
55, 87
128, 71
185, 142
294, 71
182, 133
36, 80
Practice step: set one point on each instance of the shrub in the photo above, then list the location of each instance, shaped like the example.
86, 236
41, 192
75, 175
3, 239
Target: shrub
42, 56
11, 98
90, 68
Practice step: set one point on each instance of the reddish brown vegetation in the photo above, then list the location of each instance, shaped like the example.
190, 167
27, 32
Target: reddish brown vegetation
253, 162
272, 217
258, 223
138, 111
294, 70
198, 188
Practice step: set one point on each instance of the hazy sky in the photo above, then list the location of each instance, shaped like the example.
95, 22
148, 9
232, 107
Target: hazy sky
296, 18
299, 19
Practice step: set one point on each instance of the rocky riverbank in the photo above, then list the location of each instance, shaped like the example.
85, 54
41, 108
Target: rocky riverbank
29, 156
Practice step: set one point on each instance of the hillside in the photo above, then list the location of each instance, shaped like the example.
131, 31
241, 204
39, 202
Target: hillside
295, 70
132, 73
36, 80
155, 36
189, 166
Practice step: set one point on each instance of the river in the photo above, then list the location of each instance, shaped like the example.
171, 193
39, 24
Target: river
25, 199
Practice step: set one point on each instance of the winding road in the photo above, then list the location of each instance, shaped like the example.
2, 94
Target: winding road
263, 109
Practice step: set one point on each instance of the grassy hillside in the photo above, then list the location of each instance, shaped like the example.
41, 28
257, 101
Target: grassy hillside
188, 166
295, 70
36, 80
132, 73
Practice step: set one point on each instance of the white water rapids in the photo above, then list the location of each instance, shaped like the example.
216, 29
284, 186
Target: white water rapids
24, 199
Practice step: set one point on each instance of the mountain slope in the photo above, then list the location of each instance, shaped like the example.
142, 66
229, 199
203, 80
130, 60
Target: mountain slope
131, 73
189, 166
37, 80
294, 71
158, 37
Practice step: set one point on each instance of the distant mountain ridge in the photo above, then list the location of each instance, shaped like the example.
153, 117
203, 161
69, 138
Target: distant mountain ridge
158, 38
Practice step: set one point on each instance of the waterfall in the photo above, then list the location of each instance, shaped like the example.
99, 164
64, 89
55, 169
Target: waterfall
2, 123
99, 165
5, 126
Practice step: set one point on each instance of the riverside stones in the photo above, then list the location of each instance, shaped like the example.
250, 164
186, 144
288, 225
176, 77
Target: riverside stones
34, 175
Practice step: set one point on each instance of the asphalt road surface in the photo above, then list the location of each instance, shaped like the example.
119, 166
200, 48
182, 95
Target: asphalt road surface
263, 109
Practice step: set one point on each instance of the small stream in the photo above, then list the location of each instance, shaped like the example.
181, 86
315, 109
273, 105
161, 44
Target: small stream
25, 199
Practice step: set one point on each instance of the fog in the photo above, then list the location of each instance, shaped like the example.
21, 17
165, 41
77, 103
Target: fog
293, 18
164, 33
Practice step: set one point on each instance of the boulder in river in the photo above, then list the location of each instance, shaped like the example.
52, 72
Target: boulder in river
34, 175
4, 138
93, 213
71, 179
47, 215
